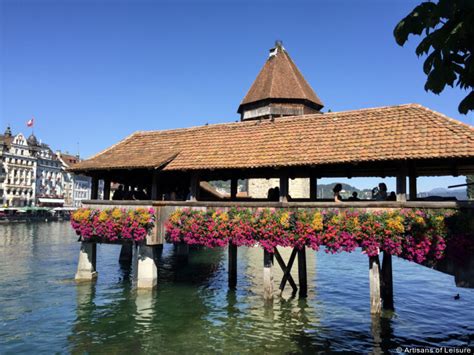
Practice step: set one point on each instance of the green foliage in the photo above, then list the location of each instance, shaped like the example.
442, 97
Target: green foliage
448, 27
470, 188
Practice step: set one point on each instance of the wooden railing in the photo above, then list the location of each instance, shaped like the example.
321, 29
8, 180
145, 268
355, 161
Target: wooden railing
298, 204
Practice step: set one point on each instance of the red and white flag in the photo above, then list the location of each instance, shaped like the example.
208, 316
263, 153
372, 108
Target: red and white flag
30, 122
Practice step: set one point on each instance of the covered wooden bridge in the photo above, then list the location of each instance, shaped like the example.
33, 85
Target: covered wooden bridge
282, 135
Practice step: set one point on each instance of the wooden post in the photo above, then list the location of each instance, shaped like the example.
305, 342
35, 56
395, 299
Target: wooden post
413, 189
374, 281
95, 188
194, 187
233, 188
286, 269
182, 251
401, 188
232, 266
107, 189
313, 188
267, 276
284, 187
126, 253
154, 187
387, 282
125, 191
302, 275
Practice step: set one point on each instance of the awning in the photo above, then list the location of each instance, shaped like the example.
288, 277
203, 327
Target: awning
51, 200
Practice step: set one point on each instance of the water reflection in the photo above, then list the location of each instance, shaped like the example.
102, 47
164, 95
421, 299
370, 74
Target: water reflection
144, 302
382, 333
193, 311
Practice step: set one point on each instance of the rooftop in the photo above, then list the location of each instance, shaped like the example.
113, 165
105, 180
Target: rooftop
280, 79
405, 132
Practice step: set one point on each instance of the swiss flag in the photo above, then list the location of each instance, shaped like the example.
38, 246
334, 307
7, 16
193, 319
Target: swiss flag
30, 122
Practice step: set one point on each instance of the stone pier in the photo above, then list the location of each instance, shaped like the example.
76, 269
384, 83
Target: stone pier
86, 267
267, 276
147, 271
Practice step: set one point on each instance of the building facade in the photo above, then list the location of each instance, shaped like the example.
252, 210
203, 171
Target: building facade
76, 187
19, 167
49, 175
32, 174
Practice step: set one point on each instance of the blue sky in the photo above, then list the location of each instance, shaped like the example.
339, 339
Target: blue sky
92, 72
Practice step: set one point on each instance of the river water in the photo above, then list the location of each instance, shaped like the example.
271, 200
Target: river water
42, 309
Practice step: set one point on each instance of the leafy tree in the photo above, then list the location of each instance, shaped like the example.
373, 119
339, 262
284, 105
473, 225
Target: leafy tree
448, 28
470, 187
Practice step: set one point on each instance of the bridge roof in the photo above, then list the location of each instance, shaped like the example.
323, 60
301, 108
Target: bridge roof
394, 133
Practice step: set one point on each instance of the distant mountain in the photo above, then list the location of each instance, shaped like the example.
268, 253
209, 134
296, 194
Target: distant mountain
325, 191
460, 194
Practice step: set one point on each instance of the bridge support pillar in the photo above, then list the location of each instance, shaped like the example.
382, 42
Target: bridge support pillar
126, 253
147, 271
267, 276
86, 266
182, 250
387, 282
374, 280
232, 266
302, 274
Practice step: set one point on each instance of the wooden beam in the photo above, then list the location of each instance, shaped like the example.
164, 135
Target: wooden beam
313, 188
95, 188
284, 187
387, 282
401, 188
194, 187
289, 205
107, 189
126, 254
155, 186
286, 270
302, 274
412, 188
182, 251
233, 188
232, 266
374, 281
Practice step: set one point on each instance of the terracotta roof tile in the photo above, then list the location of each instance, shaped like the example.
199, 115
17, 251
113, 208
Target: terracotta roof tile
376, 134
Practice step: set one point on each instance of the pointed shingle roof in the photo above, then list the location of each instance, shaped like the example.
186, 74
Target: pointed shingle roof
280, 79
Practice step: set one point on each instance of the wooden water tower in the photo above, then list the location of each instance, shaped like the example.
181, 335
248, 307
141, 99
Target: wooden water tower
279, 90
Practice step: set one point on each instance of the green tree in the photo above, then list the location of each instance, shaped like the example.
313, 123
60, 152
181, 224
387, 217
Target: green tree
448, 29
470, 188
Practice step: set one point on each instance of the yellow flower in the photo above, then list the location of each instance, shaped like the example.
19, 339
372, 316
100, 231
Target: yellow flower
81, 214
285, 219
224, 217
419, 220
103, 216
396, 224
354, 222
175, 217
116, 213
317, 223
